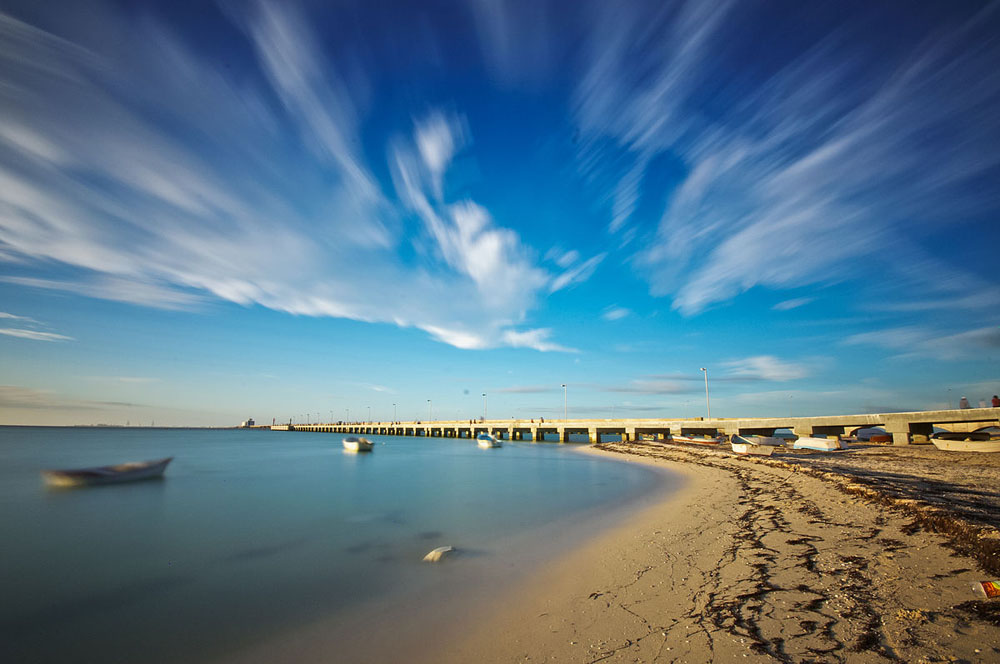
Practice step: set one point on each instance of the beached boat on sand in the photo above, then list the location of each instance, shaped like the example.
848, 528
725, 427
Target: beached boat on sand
355, 444
973, 441
820, 444
131, 471
697, 440
486, 441
747, 445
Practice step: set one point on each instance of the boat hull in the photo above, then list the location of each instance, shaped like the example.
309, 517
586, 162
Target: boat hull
488, 442
819, 444
747, 448
695, 440
133, 471
358, 445
966, 445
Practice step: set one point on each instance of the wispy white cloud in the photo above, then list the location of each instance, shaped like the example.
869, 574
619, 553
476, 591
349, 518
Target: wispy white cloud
794, 303
23, 319
176, 183
538, 339
515, 38
527, 389
915, 341
577, 274
128, 380
615, 313
651, 386
793, 178
765, 367
34, 335
25, 398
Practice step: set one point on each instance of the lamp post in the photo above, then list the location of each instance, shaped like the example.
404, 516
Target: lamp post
565, 402
393, 412
430, 411
348, 410
708, 404
484, 406
369, 414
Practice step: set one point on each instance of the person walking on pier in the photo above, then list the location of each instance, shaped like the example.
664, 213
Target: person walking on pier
963, 403
996, 401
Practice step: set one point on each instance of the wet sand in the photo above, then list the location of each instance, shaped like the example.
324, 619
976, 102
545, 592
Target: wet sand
864, 556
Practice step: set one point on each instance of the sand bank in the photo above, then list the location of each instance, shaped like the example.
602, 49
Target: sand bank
861, 557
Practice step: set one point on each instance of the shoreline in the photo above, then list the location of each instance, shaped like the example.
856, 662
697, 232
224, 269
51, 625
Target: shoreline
757, 562
456, 595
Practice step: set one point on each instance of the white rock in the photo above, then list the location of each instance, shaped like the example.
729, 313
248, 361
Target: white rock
437, 554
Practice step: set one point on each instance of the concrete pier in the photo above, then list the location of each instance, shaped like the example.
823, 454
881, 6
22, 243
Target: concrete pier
902, 426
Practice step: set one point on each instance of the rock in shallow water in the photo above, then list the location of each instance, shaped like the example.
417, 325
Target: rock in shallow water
437, 554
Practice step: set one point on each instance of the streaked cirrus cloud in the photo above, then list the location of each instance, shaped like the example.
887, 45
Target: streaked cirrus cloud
175, 184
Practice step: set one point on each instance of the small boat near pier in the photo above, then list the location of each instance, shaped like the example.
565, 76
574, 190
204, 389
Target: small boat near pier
487, 441
356, 444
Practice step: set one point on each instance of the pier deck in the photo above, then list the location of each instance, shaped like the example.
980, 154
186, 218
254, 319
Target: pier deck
902, 426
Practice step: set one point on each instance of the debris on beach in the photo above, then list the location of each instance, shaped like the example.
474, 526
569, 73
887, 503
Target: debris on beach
437, 554
988, 589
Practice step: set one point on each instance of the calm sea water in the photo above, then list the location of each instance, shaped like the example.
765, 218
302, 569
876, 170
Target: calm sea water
252, 533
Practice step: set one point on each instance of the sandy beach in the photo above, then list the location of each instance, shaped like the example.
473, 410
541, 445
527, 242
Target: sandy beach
865, 556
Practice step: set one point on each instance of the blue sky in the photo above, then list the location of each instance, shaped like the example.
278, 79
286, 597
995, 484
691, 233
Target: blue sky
291, 210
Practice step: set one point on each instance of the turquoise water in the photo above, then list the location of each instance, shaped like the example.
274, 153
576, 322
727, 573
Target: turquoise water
254, 532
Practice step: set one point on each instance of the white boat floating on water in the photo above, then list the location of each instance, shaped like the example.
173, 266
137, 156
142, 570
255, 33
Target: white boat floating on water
820, 444
486, 441
355, 444
748, 445
697, 440
131, 471
973, 441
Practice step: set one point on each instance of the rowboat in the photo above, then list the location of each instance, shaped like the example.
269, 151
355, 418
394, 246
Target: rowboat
485, 441
697, 440
131, 471
821, 444
355, 444
973, 441
751, 445
748, 448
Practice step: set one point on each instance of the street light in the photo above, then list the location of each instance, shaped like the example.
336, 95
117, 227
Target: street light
484, 406
564, 401
430, 410
393, 412
348, 414
369, 414
708, 404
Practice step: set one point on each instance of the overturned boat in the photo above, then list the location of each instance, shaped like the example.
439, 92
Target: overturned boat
820, 444
131, 471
